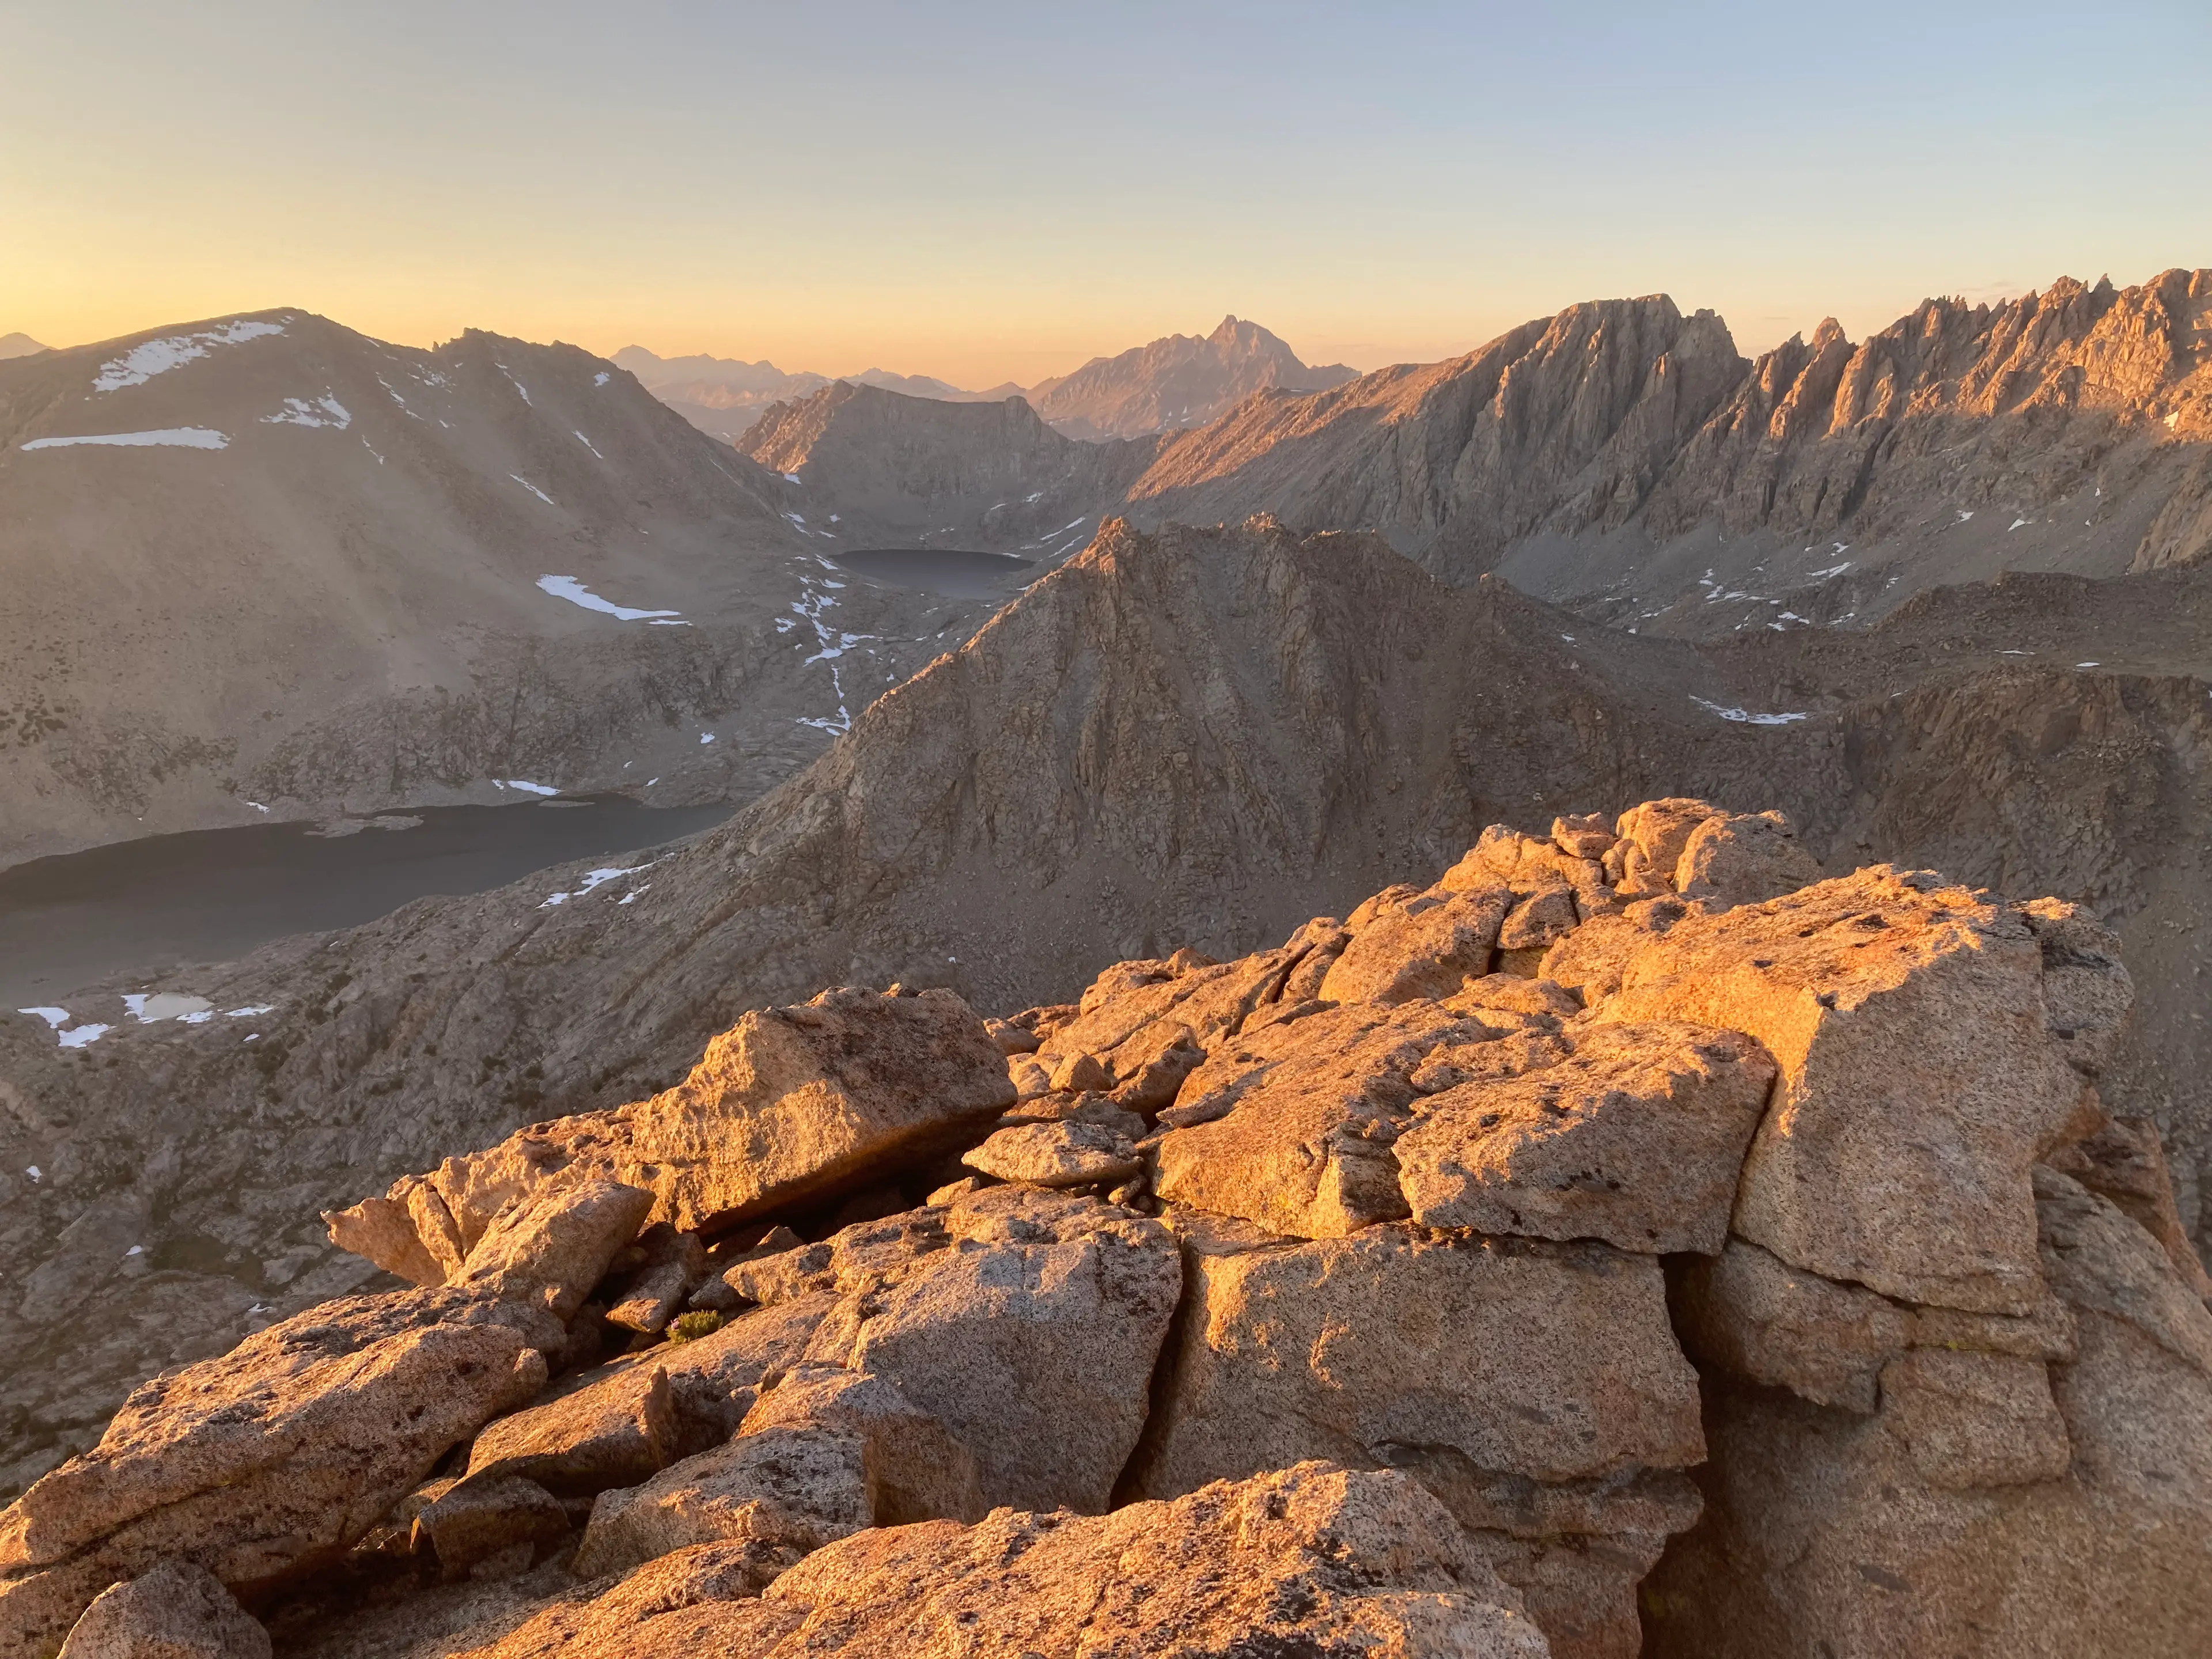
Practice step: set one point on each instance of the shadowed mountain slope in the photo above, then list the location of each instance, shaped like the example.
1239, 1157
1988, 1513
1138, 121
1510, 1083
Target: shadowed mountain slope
1199, 737
266, 559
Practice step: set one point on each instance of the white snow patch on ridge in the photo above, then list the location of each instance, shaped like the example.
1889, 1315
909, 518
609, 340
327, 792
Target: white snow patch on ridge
150, 357
1747, 717
173, 437
324, 410
525, 786
592, 878
533, 488
568, 588
57, 1019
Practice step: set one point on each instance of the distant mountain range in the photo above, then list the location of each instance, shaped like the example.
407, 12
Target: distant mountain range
18, 345
1623, 458
263, 561
1182, 380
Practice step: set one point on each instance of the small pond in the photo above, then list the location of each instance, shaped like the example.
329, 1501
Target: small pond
947, 571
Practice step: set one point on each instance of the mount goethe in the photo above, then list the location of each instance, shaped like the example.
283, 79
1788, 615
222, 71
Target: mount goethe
1825, 1244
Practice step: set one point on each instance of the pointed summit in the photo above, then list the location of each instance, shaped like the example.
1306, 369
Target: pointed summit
1180, 380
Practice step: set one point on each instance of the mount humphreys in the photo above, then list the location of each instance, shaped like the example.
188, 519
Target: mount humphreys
1548, 1003
1179, 379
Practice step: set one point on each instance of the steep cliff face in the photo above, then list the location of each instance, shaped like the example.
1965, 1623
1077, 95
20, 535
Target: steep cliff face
1576, 414
1181, 380
2021, 402
1200, 737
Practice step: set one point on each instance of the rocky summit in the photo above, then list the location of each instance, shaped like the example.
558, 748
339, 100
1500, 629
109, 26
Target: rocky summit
1628, 1243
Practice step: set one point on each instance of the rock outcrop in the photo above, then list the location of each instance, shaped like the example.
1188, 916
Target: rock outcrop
171, 1612
791, 1106
1312, 1559
1626, 1243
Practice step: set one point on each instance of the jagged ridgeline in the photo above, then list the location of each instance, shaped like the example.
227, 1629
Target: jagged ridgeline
1625, 459
1627, 1243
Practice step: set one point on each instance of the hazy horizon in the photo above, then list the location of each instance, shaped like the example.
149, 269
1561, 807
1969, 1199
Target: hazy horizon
990, 193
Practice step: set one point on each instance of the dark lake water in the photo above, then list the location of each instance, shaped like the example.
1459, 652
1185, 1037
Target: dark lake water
213, 894
948, 571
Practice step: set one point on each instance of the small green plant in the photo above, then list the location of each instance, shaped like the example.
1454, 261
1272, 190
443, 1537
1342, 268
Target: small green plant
689, 1327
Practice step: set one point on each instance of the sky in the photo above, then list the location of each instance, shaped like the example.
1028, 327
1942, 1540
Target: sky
989, 192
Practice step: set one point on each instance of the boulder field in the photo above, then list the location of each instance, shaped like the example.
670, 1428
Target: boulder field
1629, 1244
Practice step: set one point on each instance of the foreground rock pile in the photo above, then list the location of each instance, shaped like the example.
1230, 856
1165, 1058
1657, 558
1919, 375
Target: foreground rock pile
1630, 1242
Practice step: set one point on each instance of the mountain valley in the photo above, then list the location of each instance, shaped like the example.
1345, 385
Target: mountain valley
1194, 738
267, 566
1036, 714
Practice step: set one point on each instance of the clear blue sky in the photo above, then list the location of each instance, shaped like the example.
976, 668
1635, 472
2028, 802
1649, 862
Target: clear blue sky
987, 191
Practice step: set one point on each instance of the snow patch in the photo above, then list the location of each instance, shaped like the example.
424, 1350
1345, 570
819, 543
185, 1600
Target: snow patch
171, 437
601, 378
150, 357
588, 444
83, 1036
526, 787
532, 488
592, 878
706, 736
1744, 716
324, 410
516, 384
568, 588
